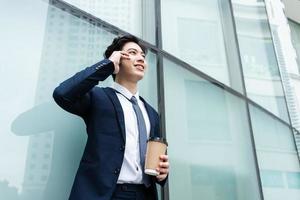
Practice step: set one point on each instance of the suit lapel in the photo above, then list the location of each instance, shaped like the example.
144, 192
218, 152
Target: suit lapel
120, 115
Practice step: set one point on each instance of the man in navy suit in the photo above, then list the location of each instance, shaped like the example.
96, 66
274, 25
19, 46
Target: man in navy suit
110, 167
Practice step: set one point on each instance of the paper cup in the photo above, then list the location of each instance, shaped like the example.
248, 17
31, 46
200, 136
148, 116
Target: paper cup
155, 148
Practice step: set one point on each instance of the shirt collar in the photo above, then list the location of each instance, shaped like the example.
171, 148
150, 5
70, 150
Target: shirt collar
124, 91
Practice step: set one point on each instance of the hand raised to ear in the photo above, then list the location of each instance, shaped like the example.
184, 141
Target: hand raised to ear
115, 57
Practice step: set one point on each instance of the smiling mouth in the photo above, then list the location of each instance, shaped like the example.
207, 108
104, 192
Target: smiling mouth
140, 67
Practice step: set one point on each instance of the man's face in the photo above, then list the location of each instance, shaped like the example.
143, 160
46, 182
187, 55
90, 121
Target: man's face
133, 68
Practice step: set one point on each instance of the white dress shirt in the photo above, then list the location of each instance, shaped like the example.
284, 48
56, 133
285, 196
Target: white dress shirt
131, 170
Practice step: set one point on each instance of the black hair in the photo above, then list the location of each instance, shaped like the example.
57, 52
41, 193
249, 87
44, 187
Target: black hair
119, 42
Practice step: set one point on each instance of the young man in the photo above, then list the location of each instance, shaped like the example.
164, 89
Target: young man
118, 123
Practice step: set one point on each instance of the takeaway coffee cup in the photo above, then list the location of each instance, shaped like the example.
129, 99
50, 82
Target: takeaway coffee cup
155, 147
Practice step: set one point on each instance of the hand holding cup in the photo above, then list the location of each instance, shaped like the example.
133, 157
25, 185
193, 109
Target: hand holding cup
157, 163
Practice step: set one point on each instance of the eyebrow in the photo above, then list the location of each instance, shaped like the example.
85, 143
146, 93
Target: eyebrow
135, 50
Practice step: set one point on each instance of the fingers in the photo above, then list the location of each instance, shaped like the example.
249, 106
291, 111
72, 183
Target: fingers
163, 168
124, 54
164, 158
161, 177
115, 57
164, 165
164, 161
163, 173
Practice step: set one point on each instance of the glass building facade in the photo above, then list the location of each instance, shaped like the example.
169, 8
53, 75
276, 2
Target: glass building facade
295, 33
213, 76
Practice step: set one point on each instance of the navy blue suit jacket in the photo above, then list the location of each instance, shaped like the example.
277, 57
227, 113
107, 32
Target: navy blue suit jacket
101, 110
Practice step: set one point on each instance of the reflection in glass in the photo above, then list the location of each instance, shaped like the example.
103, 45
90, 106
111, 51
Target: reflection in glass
42, 163
20, 60
209, 140
293, 179
261, 72
134, 16
201, 34
295, 34
277, 157
148, 86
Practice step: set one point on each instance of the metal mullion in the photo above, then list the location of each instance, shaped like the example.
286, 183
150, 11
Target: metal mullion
254, 152
278, 67
160, 83
282, 85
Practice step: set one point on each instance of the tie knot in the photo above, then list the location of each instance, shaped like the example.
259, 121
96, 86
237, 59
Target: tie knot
133, 100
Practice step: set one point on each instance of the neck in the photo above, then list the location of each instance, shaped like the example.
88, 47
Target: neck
131, 86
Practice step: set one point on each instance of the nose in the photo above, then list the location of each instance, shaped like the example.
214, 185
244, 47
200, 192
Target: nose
140, 57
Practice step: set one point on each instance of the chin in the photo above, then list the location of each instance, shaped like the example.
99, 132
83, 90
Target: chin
139, 76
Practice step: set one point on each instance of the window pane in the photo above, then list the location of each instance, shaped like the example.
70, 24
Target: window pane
261, 72
209, 140
295, 34
40, 144
134, 16
148, 86
277, 157
201, 33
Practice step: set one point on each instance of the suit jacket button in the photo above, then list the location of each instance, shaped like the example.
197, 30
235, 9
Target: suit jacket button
117, 171
122, 148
